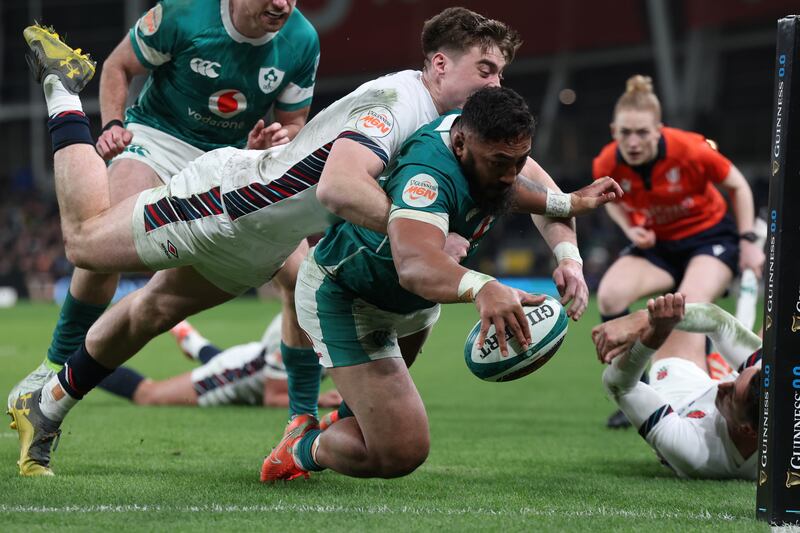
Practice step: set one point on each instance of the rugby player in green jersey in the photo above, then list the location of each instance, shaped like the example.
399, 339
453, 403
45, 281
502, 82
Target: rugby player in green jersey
367, 299
215, 69
230, 219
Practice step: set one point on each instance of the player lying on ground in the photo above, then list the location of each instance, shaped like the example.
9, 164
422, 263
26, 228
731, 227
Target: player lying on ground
367, 299
231, 218
681, 235
699, 427
245, 374
229, 63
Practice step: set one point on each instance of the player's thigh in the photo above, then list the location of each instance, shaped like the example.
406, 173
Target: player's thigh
628, 279
106, 241
286, 279
387, 407
706, 279
128, 177
177, 390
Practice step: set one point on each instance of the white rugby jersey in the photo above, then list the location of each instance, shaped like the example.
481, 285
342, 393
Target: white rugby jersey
691, 437
270, 196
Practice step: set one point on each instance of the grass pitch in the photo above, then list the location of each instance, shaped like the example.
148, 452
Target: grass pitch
531, 455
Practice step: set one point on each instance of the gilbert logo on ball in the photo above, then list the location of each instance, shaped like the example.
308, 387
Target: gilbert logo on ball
548, 324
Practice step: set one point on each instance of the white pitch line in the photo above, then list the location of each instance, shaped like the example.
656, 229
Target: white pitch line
375, 510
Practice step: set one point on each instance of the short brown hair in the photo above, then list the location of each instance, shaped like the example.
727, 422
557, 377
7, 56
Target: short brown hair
639, 96
458, 29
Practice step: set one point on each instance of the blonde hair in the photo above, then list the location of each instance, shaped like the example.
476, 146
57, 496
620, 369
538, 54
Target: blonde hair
639, 96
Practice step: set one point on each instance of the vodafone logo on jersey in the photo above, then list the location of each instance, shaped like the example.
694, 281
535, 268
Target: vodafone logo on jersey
420, 191
376, 122
227, 103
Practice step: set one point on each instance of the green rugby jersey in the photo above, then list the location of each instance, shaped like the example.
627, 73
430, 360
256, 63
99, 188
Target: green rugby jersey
209, 84
425, 183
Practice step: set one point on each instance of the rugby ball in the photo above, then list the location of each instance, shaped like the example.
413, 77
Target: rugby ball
548, 323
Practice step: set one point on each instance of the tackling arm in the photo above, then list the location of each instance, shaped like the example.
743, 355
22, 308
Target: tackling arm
348, 186
735, 342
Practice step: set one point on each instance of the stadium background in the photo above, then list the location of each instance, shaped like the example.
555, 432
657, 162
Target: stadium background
712, 62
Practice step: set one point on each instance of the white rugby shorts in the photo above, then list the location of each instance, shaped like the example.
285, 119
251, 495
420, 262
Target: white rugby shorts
165, 154
236, 376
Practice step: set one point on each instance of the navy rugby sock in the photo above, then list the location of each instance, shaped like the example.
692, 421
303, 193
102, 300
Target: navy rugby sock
123, 382
69, 127
607, 318
81, 373
207, 353
303, 373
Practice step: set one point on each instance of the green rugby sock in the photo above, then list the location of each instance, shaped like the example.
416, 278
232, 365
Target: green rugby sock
74, 321
303, 373
302, 452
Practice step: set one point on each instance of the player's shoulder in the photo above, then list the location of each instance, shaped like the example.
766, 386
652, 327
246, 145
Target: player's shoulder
682, 144
606, 160
191, 16
299, 30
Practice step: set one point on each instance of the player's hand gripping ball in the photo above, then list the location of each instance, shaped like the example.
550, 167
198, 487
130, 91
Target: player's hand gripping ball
548, 323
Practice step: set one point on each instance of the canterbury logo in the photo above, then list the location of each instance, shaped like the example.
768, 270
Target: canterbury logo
205, 68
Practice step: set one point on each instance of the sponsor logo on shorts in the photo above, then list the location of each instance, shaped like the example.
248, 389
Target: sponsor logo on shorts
138, 150
151, 20
662, 373
204, 67
376, 122
718, 250
420, 191
269, 79
169, 249
227, 103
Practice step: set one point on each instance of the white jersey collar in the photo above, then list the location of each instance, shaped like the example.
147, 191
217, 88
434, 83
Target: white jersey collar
233, 33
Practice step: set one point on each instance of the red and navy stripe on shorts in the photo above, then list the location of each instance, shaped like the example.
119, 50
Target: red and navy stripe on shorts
248, 199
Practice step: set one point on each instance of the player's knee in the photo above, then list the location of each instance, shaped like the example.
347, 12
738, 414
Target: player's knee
401, 459
610, 299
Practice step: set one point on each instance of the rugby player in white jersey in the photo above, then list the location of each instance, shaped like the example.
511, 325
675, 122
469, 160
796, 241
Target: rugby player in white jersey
698, 426
252, 373
229, 220
215, 69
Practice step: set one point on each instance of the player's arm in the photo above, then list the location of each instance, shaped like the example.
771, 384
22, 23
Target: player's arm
425, 269
348, 187
735, 342
560, 236
115, 78
741, 197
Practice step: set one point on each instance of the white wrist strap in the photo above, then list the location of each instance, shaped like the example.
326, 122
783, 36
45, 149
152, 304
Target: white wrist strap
471, 283
559, 204
567, 250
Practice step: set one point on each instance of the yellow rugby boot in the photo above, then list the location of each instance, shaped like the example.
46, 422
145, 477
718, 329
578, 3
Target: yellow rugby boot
50, 55
38, 435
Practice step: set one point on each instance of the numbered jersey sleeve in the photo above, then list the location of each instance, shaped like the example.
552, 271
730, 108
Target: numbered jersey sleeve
156, 36
420, 193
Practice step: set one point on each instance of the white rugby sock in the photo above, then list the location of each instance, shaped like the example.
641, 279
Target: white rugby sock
55, 402
58, 98
192, 343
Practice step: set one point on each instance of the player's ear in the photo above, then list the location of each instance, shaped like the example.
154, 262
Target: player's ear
457, 140
438, 62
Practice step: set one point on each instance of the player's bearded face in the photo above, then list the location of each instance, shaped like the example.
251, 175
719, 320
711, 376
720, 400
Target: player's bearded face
491, 169
637, 133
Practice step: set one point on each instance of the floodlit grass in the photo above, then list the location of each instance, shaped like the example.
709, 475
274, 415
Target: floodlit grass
531, 455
